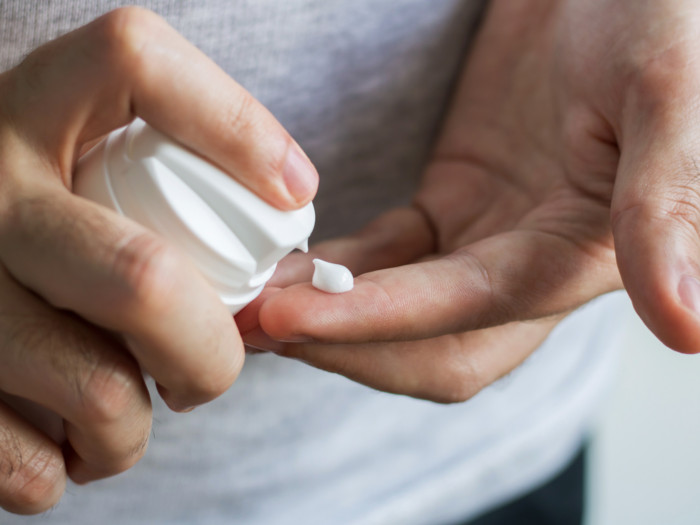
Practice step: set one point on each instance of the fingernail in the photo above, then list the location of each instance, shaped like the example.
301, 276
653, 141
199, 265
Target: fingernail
689, 293
299, 174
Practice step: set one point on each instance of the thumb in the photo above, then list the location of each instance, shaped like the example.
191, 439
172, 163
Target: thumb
129, 63
656, 220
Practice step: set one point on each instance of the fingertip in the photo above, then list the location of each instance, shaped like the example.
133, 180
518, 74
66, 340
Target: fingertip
655, 257
282, 315
688, 333
174, 402
248, 318
670, 307
76, 469
186, 391
300, 177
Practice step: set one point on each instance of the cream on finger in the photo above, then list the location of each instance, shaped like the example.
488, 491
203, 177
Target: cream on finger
331, 278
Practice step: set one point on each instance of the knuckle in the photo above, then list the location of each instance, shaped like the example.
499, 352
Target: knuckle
678, 207
459, 384
116, 398
452, 392
502, 306
149, 270
458, 377
627, 213
123, 34
109, 394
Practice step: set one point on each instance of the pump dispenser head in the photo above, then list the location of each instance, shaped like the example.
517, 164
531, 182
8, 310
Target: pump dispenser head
234, 237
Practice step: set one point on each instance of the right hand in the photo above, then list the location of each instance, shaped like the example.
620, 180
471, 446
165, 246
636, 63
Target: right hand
73, 274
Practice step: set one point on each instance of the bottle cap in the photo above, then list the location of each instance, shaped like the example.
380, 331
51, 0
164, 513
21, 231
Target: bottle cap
234, 237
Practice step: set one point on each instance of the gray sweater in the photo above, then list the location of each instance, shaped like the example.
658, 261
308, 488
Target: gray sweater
362, 85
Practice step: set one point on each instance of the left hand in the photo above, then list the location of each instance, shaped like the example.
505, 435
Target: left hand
566, 167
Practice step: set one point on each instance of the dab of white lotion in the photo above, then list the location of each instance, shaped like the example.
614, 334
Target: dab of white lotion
331, 278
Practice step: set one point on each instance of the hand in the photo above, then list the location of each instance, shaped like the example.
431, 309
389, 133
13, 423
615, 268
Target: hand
569, 151
89, 298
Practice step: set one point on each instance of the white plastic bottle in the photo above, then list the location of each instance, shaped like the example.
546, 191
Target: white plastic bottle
234, 237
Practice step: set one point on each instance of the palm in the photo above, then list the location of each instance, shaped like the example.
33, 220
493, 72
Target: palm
536, 165
529, 164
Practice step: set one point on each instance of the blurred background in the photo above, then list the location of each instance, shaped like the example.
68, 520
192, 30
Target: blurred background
645, 460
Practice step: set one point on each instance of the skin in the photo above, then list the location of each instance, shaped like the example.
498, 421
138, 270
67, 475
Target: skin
566, 168
89, 298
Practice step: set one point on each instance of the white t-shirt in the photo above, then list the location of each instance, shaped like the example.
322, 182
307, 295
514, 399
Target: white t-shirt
362, 85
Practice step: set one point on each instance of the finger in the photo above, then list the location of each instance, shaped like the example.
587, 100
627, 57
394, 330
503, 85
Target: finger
518, 275
656, 218
399, 236
32, 473
114, 273
447, 369
131, 62
92, 262
57, 361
